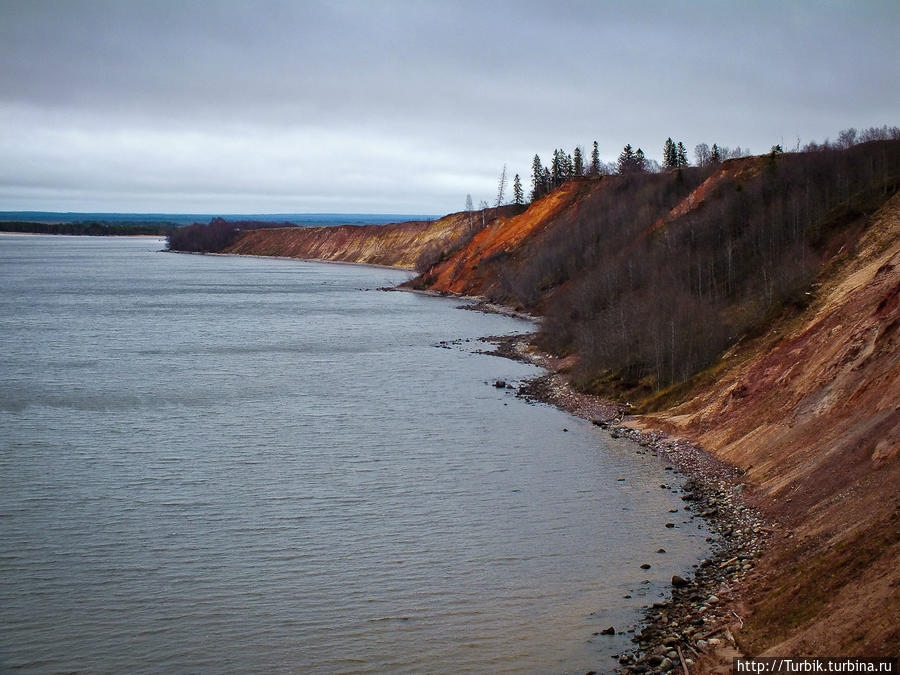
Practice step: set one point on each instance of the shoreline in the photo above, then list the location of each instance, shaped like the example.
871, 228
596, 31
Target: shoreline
289, 257
92, 236
695, 624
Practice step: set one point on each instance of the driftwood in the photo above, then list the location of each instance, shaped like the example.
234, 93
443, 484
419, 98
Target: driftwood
681, 658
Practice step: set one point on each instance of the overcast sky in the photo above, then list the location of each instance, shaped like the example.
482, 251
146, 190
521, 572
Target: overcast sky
405, 107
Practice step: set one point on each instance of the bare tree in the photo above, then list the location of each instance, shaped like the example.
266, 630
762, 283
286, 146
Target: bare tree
702, 154
501, 186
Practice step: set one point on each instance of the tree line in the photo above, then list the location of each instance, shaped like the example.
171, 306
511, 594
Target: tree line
565, 166
214, 236
92, 228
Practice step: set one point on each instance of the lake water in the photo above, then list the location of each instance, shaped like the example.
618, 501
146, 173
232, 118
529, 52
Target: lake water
221, 464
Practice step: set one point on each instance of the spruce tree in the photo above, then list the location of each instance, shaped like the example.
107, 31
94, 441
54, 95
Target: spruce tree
537, 179
640, 162
579, 162
518, 195
681, 154
715, 156
626, 160
557, 166
669, 153
595, 160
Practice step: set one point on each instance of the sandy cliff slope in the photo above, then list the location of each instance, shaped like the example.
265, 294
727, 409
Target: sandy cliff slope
396, 244
473, 269
812, 413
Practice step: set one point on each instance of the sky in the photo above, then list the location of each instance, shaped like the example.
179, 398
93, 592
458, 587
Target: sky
403, 106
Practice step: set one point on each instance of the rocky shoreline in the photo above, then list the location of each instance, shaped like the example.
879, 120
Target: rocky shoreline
693, 630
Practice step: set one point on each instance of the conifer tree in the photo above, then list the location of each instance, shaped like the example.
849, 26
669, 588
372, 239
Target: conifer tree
626, 160
537, 178
715, 155
577, 162
670, 155
518, 195
595, 160
681, 154
640, 161
557, 167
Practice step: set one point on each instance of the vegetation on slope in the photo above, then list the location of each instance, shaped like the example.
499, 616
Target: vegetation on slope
648, 278
808, 410
215, 236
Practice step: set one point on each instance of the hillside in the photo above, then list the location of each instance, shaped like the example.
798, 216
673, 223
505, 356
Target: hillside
396, 244
811, 412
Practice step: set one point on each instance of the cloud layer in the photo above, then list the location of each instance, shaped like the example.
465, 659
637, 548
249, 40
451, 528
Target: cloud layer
402, 106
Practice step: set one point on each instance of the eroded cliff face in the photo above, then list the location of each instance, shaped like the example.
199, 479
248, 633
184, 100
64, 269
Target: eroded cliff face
811, 412
473, 270
396, 244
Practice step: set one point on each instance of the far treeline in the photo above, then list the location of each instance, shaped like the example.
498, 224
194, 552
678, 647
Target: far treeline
214, 236
93, 228
648, 297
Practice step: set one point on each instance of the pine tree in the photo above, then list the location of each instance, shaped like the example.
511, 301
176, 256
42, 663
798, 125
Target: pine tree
518, 195
595, 160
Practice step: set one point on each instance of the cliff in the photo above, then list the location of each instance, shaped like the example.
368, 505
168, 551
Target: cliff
395, 244
811, 412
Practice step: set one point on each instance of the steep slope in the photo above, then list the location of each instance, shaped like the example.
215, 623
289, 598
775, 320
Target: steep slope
396, 244
474, 269
812, 414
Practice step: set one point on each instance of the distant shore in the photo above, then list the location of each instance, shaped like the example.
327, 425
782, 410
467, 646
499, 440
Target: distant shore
288, 257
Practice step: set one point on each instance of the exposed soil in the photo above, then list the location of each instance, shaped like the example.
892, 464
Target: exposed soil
395, 244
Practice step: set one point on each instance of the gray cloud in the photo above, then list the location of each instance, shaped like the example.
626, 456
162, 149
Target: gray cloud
405, 106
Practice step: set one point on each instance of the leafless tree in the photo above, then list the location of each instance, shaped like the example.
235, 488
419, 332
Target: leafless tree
501, 186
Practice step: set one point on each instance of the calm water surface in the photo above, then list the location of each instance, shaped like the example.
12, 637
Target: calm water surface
219, 464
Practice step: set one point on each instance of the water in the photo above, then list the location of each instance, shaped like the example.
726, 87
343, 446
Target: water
222, 464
